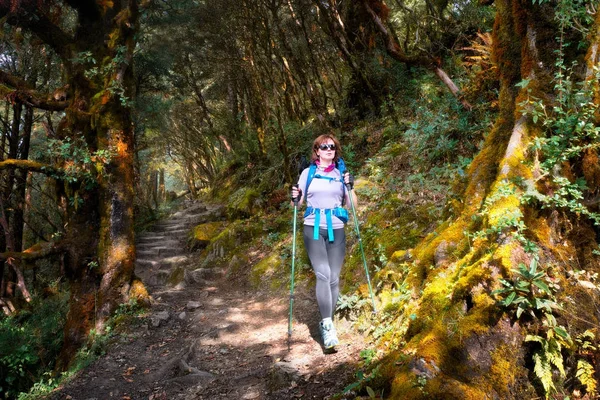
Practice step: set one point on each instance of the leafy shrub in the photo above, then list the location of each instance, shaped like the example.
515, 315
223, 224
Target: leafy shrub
29, 343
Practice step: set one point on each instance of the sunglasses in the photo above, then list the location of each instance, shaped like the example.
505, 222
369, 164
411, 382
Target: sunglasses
327, 146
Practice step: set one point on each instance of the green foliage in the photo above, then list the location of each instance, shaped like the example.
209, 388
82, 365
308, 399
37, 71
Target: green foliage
29, 343
350, 305
79, 164
568, 122
442, 131
362, 378
243, 202
585, 371
547, 356
529, 292
106, 71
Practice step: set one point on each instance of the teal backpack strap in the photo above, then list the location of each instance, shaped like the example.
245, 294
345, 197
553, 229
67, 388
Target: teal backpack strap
317, 224
311, 174
341, 166
329, 225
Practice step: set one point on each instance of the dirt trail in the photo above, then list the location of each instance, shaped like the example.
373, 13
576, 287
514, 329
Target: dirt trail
213, 337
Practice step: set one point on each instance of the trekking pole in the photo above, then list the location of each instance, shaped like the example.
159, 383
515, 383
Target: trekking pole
295, 200
361, 246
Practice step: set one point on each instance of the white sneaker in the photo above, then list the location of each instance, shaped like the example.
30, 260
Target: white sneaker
328, 333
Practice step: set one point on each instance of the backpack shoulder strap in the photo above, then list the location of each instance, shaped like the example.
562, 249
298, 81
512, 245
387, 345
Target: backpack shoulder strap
311, 174
341, 166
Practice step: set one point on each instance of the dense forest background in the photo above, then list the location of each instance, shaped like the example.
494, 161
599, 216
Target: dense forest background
471, 126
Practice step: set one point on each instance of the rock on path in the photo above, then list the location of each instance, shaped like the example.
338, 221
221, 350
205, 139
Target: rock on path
207, 338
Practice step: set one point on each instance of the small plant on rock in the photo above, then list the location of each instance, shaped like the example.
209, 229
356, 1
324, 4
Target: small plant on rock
531, 294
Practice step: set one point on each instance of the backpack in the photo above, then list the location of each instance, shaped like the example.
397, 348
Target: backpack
338, 212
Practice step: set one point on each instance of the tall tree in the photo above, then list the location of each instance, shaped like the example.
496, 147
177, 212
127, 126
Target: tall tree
527, 219
95, 41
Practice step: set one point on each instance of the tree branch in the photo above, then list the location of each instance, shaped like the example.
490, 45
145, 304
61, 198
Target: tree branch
395, 51
28, 165
35, 20
35, 252
20, 91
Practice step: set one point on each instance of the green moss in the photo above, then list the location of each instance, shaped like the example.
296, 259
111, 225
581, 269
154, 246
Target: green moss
244, 202
207, 232
176, 276
265, 270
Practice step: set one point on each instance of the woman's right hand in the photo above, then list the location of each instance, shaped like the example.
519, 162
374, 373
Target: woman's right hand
296, 193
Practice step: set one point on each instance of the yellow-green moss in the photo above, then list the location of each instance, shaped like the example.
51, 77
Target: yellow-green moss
404, 387
138, 292
503, 372
265, 269
472, 275
208, 231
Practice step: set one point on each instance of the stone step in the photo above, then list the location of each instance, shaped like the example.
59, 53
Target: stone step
161, 252
162, 235
157, 278
146, 263
151, 244
200, 209
169, 224
150, 237
166, 262
178, 232
175, 228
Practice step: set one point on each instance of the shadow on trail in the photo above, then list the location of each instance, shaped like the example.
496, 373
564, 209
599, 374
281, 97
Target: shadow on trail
216, 339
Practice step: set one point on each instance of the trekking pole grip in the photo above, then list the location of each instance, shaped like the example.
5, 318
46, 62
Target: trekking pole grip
350, 183
297, 198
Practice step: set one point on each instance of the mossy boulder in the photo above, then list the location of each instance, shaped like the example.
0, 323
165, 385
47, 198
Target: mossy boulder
243, 203
203, 234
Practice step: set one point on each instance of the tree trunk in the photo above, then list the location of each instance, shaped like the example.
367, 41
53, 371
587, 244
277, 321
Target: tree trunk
100, 257
17, 222
474, 348
161, 186
8, 198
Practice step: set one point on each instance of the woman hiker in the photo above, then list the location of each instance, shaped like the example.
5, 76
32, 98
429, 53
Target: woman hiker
326, 190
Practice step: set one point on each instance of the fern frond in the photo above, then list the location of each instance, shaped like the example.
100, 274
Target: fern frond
543, 370
585, 374
555, 358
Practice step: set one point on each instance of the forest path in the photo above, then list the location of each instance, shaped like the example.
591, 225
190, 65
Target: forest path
212, 336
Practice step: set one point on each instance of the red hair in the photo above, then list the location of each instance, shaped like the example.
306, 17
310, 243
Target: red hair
322, 139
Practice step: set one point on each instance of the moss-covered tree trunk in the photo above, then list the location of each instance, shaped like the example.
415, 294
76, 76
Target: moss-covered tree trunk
102, 263
97, 58
461, 343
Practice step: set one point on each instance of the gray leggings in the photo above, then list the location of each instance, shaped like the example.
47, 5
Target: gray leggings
327, 259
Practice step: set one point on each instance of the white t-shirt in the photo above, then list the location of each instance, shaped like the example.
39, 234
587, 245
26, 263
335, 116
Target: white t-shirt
323, 194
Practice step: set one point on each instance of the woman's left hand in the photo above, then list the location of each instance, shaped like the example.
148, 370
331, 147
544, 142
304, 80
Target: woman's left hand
349, 180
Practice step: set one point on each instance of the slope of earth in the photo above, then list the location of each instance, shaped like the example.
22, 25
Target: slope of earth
213, 337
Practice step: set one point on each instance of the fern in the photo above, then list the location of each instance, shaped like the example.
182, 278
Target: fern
585, 374
585, 370
547, 356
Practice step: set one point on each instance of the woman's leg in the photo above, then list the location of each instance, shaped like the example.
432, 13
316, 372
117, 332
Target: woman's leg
336, 251
326, 259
